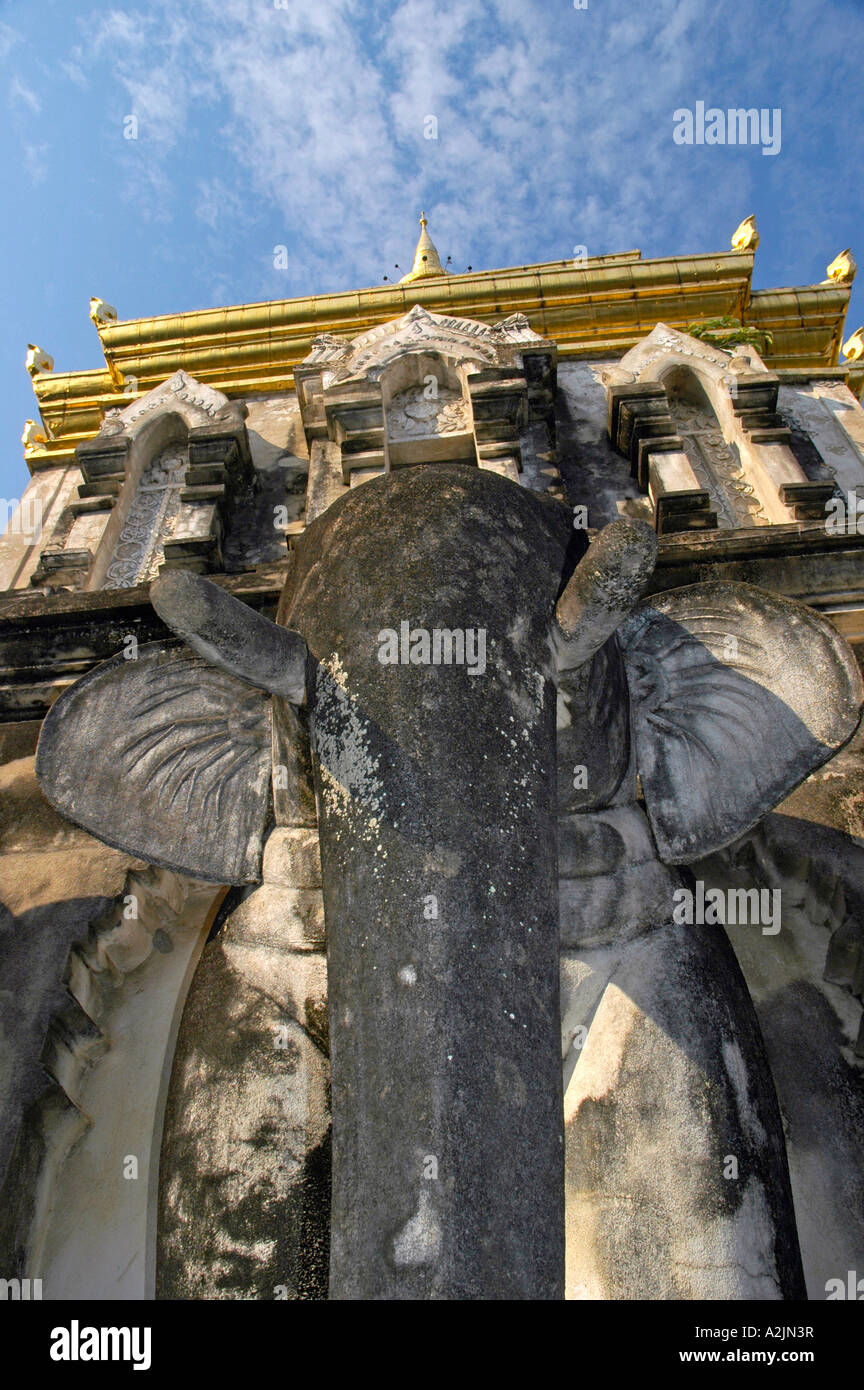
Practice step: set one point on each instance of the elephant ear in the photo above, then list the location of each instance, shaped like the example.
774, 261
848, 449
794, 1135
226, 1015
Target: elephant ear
737, 696
166, 757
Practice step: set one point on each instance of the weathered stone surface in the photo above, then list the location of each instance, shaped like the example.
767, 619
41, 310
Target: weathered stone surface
604, 588
617, 907
438, 808
604, 841
245, 1171
292, 857
239, 641
676, 1169
260, 946
809, 1006
436, 791
593, 732
295, 914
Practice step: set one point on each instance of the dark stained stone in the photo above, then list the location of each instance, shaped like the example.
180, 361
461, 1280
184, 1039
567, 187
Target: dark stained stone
436, 798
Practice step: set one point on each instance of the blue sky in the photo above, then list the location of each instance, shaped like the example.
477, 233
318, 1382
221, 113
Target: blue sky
304, 125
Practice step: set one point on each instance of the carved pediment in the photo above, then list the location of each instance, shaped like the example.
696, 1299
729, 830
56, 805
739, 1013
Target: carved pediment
164, 467
664, 345
428, 387
179, 395
463, 341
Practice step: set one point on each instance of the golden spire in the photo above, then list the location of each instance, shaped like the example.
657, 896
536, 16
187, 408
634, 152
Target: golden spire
426, 259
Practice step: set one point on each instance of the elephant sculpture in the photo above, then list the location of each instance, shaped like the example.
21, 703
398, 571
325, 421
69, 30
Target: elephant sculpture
448, 800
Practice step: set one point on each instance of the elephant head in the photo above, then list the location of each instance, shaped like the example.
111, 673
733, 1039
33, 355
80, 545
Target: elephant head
430, 621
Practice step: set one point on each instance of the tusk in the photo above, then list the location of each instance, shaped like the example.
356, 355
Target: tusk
230, 635
606, 584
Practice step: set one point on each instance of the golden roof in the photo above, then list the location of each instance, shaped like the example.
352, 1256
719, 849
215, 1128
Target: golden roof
595, 309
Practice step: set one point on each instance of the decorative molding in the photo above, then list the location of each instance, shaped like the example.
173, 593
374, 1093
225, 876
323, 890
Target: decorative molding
140, 551
463, 340
746, 465
170, 520
663, 345
716, 465
181, 394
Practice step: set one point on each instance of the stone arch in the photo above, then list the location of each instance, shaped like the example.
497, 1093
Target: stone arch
696, 398
142, 516
503, 380
109, 1057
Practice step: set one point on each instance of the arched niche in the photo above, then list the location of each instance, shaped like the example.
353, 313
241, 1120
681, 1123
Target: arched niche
182, 440
716, 461
427, 411
148, 504
748, 470
363, 410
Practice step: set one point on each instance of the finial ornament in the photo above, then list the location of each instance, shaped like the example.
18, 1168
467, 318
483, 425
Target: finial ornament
746, 236
842, 269
33, 438
102, 313
853, 348
38, 361
427, 262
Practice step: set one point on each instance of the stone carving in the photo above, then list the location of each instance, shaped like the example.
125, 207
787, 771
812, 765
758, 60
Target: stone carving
413, 415
716, 465
842, 269
439, 846
112, 424
101, 312
464, 339
38, 361
853, 348
170, 752
661, 343
729, 698
33, 437
180, 390
92, 1026
140, 549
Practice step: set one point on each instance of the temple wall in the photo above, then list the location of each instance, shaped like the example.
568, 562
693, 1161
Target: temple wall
594, 473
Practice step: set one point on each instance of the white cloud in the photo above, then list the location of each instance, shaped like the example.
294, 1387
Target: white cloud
554, 124
22, 96
8, 38
34, 161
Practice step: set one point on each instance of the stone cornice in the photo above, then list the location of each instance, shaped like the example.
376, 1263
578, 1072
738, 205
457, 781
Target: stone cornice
47, 641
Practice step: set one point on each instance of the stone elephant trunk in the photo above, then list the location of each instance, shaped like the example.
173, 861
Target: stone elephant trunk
426, 610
